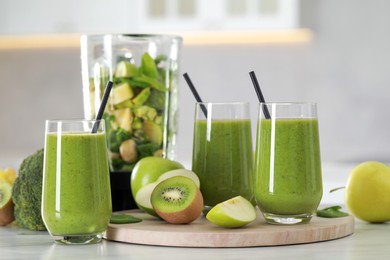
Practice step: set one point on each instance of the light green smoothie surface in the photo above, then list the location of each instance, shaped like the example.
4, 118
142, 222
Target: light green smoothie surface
76, 187
223, 159
288, 177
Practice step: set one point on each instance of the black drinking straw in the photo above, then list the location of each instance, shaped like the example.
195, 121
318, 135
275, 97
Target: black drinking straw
259, 93
102, 107
196, 95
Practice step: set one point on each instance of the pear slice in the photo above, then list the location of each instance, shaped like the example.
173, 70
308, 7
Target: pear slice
232, 213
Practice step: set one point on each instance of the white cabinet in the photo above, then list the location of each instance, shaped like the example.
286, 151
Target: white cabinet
135, 16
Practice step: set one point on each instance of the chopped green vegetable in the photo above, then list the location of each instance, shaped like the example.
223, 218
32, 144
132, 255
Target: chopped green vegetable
331, 212
139, 84
153, 132
160, 58
147, 149
124, 219
145, 112
149, 82
121, 93
141, 97
116, 138
148, 66
156, 99
126, 69
138, 106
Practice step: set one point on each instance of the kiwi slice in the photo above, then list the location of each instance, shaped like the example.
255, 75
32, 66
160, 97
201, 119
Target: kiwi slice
177, 200
5, 193
6, 204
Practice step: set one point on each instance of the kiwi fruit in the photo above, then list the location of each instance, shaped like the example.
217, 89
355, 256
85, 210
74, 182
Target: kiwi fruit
6, 204
177, 200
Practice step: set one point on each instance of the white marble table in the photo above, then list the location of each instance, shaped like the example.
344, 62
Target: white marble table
370, 241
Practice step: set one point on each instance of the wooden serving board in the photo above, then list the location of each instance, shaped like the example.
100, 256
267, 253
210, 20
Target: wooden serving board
202, 233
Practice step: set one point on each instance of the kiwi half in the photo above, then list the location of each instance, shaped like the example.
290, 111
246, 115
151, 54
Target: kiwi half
5, 193
177, 200
6, 204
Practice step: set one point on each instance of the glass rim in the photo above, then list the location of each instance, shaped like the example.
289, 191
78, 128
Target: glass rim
73, 120
289, 103
224, 103
134, 35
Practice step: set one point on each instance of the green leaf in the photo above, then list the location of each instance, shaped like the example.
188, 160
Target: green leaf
147, 149
146, 81
160, 58
331, 212
124, 219
116, 138
156, 99
148, 66
141, 97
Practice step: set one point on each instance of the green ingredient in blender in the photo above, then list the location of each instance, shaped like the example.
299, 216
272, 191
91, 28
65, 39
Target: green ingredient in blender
117, 137
137, 109
145, 112
156, 99
123, 118
153, 132
141, 97
148, 66
122, 92
126, 69
143, 81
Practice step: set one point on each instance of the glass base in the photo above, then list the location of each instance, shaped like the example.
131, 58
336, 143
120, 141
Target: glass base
78, 239
287, 219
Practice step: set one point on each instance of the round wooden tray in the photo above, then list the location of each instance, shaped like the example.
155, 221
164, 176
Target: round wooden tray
202, 233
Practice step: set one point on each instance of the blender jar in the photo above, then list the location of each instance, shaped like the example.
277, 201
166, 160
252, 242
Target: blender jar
141, 113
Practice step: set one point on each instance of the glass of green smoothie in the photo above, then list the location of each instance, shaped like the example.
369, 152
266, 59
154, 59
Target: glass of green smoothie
288, 178
222, 151
76, 197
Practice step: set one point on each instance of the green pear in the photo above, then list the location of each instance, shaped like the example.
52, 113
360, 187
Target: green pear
367, 192
232, 213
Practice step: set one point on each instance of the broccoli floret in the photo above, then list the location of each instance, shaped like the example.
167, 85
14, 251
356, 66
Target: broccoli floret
27, 193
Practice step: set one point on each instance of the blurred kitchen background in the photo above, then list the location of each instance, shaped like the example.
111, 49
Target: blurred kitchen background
333, 52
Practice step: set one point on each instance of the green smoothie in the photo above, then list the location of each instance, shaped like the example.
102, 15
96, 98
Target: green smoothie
223, 159
76, 193
288, 179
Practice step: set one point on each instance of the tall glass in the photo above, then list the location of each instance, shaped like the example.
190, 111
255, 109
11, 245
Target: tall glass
76, 197
288, 179
222, 151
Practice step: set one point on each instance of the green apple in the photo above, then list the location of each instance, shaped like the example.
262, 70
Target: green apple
367, 192
149, 169
149, 172
232, 213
